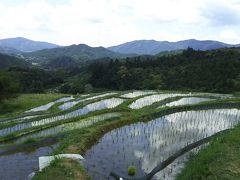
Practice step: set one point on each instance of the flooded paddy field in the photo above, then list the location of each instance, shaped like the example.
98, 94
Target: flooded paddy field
143, 145
19, 165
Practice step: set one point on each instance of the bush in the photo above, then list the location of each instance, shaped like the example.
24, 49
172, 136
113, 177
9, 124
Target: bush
131, 170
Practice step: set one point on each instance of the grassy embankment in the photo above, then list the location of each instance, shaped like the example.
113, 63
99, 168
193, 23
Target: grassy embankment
220, 160
23, 102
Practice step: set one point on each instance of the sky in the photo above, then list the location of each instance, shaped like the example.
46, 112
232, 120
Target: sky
111, 22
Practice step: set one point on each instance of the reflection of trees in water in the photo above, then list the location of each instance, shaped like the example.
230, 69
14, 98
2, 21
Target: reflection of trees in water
147, 144
99, 105
178, 130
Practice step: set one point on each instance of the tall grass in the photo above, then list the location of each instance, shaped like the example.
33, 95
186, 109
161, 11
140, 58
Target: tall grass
24, 102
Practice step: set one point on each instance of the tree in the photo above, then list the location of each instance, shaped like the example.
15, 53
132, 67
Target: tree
8, 85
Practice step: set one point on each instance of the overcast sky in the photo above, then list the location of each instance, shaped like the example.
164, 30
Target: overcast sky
111, 22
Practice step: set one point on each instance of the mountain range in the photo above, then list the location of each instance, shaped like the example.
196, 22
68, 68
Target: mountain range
21, 45
80, 53
51, 55
153, 47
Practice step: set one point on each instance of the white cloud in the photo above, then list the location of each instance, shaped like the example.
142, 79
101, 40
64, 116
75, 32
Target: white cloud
229, 35
109, 22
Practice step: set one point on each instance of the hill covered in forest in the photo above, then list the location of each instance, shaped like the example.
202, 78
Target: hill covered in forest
212, 71
7, 61
81, 53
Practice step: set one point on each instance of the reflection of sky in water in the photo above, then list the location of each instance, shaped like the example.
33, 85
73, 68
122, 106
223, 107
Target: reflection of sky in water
136, 94
49, 105
147, 144
99, 105
83, 123
149, 100
187, 101
70, 104
18, 166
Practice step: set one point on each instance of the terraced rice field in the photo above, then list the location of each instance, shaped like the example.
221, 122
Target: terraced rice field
171, 126
145, 145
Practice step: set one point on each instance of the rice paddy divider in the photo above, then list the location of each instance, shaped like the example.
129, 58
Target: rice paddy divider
27, 131
50, 113
78, 106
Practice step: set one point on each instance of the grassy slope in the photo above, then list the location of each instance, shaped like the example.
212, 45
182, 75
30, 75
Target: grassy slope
24, 102
220, 160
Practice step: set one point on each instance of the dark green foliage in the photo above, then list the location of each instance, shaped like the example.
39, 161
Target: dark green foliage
60, 62
8, 85
169, 53
214, 71
34, 80
7, 61
77, 84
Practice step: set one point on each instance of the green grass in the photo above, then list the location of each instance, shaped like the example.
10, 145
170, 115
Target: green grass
63, 169
23, 102
30, 140
220, 160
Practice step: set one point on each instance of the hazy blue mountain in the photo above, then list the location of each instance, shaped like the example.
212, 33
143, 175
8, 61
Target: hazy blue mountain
7, 61
154, 47
25, 45
80, 53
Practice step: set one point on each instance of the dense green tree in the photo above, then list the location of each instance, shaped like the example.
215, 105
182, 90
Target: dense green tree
8, 85
215, 71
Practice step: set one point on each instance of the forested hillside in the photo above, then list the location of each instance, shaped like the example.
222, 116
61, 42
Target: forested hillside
82, 53
7, 61
213, 71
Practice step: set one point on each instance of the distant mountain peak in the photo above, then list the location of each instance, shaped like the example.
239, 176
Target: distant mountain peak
25, 45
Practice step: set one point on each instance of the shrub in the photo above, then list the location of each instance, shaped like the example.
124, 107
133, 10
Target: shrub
131, 170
